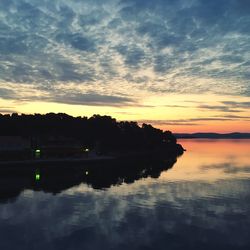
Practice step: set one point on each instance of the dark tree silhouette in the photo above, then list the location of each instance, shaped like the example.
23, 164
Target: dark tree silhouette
102, 132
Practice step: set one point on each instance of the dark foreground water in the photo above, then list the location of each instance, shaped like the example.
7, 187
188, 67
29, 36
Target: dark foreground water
200, 202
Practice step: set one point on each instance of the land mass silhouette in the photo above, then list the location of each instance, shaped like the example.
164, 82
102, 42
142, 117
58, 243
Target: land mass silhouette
61, 135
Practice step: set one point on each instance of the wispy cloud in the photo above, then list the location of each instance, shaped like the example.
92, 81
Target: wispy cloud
234, 104
219, 108
7, 93
161, 46
7, 110
195, 121
92, 99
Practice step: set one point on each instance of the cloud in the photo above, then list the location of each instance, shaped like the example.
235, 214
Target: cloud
227, 107
133, 56
246, 118
176, 106
6, 93
235, 104
219, 108
77, 41
159, 46
92, 99
68, 96
195, 121
168, 123
7, 110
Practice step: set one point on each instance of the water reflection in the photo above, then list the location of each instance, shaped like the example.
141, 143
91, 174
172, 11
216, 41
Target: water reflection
56, 178
203, 202
212, 160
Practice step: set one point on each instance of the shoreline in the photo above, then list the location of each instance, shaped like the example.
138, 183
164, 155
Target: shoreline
57, 160
173, 151
91, 159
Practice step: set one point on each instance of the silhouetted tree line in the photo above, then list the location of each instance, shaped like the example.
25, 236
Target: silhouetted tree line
99, 131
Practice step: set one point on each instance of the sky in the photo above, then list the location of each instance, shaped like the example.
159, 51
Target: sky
181, 65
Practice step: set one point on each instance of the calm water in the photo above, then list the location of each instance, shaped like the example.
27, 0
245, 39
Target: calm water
200, 202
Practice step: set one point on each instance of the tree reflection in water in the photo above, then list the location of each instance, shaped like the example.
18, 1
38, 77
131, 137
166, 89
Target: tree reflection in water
59, 177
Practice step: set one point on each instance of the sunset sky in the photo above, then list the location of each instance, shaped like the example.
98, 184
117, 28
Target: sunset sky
182, 65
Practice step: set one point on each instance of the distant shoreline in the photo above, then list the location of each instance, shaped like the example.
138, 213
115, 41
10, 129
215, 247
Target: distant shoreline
212, 136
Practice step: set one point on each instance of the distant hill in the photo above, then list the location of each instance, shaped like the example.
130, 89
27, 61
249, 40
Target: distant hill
213, 135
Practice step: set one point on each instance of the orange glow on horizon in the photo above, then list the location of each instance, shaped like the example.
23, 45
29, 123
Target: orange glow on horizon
218, 127
178, 113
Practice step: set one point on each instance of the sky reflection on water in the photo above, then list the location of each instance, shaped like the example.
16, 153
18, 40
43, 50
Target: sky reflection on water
203, 202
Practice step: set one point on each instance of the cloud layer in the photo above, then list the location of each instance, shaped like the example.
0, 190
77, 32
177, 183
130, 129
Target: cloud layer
96, 48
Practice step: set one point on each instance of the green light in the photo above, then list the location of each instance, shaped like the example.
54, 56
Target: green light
38, 151
38, 177
87, 172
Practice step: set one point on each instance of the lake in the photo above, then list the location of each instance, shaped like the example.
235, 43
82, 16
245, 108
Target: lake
200, 200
